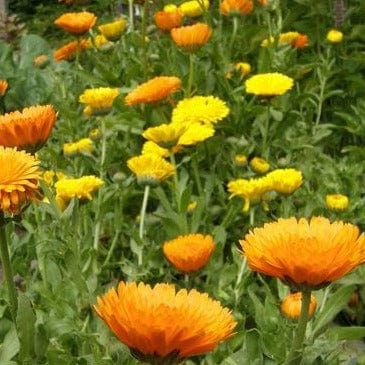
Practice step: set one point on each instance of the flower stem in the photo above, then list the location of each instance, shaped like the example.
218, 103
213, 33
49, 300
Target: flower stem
143, 211
265, 133
131, 16
191, 74
8, 272
296, 352
143, 35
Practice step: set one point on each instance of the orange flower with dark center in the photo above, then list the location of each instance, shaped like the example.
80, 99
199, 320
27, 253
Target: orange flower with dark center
153, 90
19, 176
305, 253
191, 37
76, 23
28, 129
159, 324
3, 87
189, 253
236, 6
168, 20
68, 50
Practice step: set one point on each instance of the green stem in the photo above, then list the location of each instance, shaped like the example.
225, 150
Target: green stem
143, 211
143, 35
296, 352
233, 34
131, 16
265, 133
8, 272
194, 165
191, 75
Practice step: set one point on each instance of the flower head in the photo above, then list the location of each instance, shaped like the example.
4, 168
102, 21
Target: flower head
240, 160
243, 68
200, 109
84, 145
68, 50
259, 165
76, 23
166, 20
159, 324
269, 84
150, 147
3, 87
291, 305
28, 129
191, 37
153, 90
97, 41
236, 6
304, 253
189, 253
113, 30
294, 39
337, 202
334, 36
150, 169
81, 188
284, 181
194, 8
19, 176
251, 190
99, 100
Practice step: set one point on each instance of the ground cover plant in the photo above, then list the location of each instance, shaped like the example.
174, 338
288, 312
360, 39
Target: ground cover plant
182, 182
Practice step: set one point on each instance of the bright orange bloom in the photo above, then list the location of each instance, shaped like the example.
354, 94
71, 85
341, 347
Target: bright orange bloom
291, 305
28, 129
168, 20
159, 324
305, 253
76, 23
68, 50
3, 87
301, 41
189, 253
19, 176
191, 37
236, 6
153, 90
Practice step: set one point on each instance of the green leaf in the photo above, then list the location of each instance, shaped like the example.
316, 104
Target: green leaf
334, 305
25, 324
347, 333
10, 346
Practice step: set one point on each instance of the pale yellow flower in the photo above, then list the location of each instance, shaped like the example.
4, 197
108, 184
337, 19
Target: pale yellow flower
113, 30
334, 36
269, 84
84, 145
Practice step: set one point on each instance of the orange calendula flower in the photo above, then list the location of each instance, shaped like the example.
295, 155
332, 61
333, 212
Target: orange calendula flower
189, 253
160, 325
191, 37
19, 176
68, 50
3, 87
291, 305
76, 23
236, 6
166, 20
304, 253
28, 129
153, 90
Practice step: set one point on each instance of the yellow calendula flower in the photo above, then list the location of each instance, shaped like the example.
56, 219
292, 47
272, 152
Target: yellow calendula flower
84, 145
50, 176
284, 38
97, 41
243, 68
150, 147
150, 169
269, 84
334, 36
113, 30
206, 110
259, 165
170, 8
192, 206
99, 100
194, 8
284, 181
337, 202
95, 134
251, 190
240, 160
291, 305
81, 188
